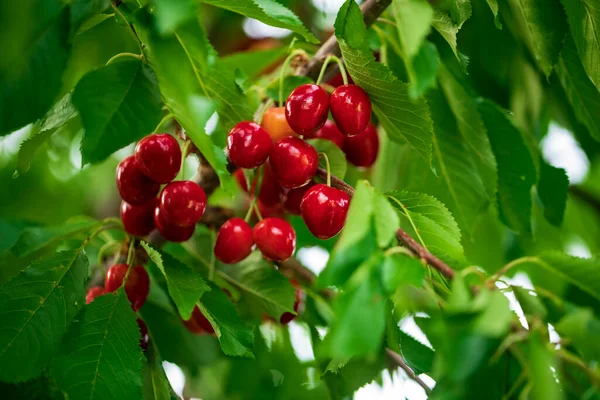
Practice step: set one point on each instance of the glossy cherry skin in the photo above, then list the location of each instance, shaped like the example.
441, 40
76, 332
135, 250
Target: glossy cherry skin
324, 210
248, 145
275, 238
198, 323
135, 187
275, 210
137, 286
158, 157
276, 124
361, 150
294, 162
171, 232
138, 220
94, 292
145, 338
293, 198
234, 241
330, 132
306, 108
182, 203
287, 317
351, 109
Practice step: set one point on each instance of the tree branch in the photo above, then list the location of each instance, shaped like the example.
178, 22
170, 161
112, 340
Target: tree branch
397, 358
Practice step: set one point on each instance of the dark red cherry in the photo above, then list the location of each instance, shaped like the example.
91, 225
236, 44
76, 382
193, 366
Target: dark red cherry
306, 108
351, 109
145, 338
270, 190
293, 198
182, 203
287, 317
248, 145
171, 232
198, 323
94, 292
133, 185
294, 162
276, 124
234, 241
361, 150
324, 210
275, 238
138, 220
275, 210
330, 132
158, 157
137, 286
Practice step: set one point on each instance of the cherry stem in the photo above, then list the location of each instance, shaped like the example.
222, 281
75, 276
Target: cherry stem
258, 116
184, 153
327, 167
106, 246
121, 55
259, 178
340, 64
162, 122
130, 259
211, 271
399, 250
284, 67
258, 214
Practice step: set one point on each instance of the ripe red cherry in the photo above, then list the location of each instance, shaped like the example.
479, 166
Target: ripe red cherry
293, 198
275, 238
158, 157
133, 185
171, 232
329, 131
324, 210
94, 292
137, 286
287, 317
294, 162
361, 150
351, 109
276, 124
144, 334
270, 211
182, 203
306, 108
198, 323
248, 145
234, 241
138, 220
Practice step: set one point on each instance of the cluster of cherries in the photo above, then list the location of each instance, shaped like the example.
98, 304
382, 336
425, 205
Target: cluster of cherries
175, 213
289, 164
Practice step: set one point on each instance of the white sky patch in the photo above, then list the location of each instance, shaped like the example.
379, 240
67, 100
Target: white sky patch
576, 247
175, 376
561, 150
211, 124
300, 339
259, 30
410, 327
314, 258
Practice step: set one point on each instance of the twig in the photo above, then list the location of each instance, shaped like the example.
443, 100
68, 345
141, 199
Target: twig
411, 374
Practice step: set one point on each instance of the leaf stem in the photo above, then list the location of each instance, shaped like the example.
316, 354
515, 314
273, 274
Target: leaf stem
340, 65
510, 265
122, 55
162, 122
130, 260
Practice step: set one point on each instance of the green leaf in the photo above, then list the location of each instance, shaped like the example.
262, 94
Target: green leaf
100, 357
400, 269
552, 190
386, 221
119, 104
185, 285
268, 11
172, 13
494, 7
82, 10
584, 20
430, 222
235, 337
579, 89
402, 118
582, 329
541, 362
36, 308
38, 52
425, 65
442, 23
252, 63
33, 239
337, 158
262, 286
543, 27
516, 170
459, 10
413, 20
418, 356
156, 384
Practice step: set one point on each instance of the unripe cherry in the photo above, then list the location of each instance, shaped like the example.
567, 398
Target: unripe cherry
248, 145
234, 241
182, 203
171, 232
137, 286
361, 150
138, 220
159, 157
324, 210
275, 238
294, 162
351, 109
135, 187
306, 108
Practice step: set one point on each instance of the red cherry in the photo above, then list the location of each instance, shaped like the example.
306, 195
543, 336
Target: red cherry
137, 286
270, 211
306, 108
329, 131
275, 238
361, 150
234, 241
158, 157
182, 203
172, 233
94, 292
198, 323
324, 210
351, 109
287, 317
294, 162
293, 198
138, 220
270, 189
338, 80
134, 186
248, 145
276, 124
145, 338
